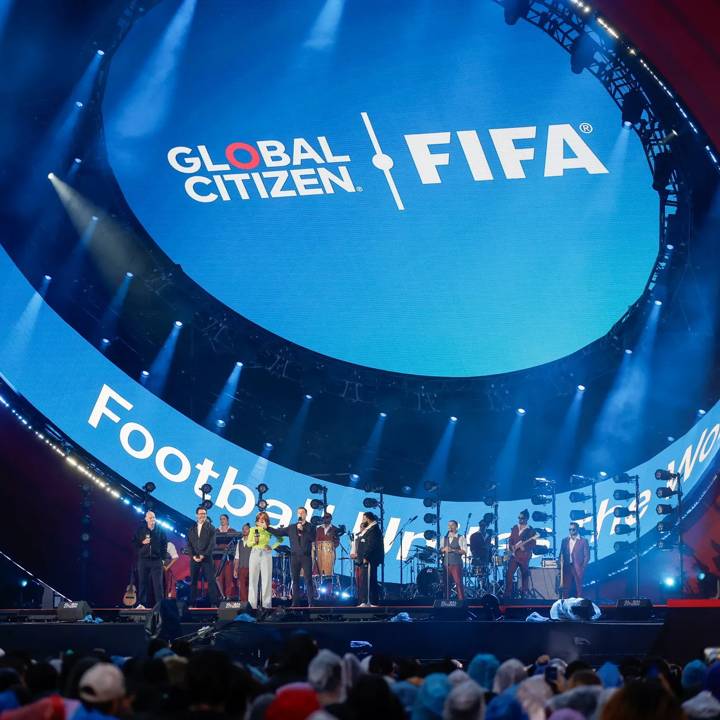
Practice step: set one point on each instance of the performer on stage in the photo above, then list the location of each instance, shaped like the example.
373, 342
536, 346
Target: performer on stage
151, 541
520, 545
480, 545
259, 541
241, 565
454, 550
574, 558
370, 554
301, 536
201, 543
225, 579
327, 538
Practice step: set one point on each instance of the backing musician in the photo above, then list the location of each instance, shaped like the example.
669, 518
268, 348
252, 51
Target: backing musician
327, 539
574, 558
454, 550
369, 555
520, 545
481, 545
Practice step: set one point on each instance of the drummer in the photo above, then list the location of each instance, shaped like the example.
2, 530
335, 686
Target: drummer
481, 545
326, 533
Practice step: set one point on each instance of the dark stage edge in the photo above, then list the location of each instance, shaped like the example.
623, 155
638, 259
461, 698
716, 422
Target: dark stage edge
680, 635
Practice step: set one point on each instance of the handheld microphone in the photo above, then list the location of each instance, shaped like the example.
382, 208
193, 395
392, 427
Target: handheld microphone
257, 536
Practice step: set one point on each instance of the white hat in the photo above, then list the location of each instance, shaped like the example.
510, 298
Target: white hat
102, 683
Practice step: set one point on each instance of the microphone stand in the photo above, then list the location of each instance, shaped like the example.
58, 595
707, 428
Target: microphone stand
402, 560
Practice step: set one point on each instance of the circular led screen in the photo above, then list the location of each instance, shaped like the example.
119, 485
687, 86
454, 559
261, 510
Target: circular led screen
416, 187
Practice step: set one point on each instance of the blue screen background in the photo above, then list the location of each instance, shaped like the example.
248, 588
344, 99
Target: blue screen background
473, 278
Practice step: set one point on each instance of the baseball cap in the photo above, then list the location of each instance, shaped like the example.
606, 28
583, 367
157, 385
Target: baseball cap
102, 683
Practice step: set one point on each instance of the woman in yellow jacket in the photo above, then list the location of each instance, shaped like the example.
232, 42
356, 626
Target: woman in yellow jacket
260, 543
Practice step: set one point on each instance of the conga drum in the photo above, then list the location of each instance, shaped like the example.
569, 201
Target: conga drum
325, 557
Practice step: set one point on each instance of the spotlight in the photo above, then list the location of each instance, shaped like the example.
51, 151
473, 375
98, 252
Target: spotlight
658, 302
383, 414
220, 423
100, 53
665, 475
701, 412
430, 486
145, 373
238, 364
665, 492
262, 488
370, 503
623, 512
579, 515
669, 582
623, 495
430, 518
262, 504
578, 497
701, 576
77, 161
664, 526
207, 504
268, 445
78, 104
622, 546
406, 489
623, 529
670, 246
541, 499
602, 474
178, 323
622, 478
632, 108
583, 53
664, 509
429, 502
317, 489
453, 419
354, 478
129, 275
206, 489
48, 278
308, 397
51, 176
149, 487
317, 504
521, 411
23, 583
538, 516
430, 535
105, 342
628, 351
581, 388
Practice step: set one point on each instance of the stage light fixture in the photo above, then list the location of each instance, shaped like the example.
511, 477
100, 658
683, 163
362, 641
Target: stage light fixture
354, 478
206, 489
515, 9
663, 170
622, 546
207, 504
489, 500
430, 535
543, 533
665, 526
220, 423
429, 502
262, 488
371, 503
430, 486
100, 53
623, 512
578, 497
624, 529
581, 388
623, 478
79, 104
308, 397
664, 509
149, 487
268, 446
521, 411
541, 499
665, 475
669, 582
538, 516
576, 515
51, 175
582, 53
430, 518
78, 161
383, 414
701, 412
665, 492
628, 351
633, 105
406, 489
317, 504
262, 504
453, 419
578, 481
602, 474
317, 489
623, 495
488, 518
658, 302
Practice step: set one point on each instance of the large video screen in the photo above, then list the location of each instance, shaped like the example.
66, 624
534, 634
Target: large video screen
416, 187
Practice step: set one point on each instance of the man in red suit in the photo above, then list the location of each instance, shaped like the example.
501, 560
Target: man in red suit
520, 545
574, 558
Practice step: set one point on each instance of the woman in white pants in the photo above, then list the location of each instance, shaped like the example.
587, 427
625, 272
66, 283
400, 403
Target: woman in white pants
259, 541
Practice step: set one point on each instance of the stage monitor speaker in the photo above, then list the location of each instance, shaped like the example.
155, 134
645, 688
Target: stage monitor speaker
634, 609
544, 583
230, 609
450, 610
73, 610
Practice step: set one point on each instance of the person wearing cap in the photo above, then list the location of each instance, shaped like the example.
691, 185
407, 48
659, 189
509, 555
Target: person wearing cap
152, 542
102, 689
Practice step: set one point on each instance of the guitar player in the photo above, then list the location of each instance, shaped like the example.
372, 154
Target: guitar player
520, 545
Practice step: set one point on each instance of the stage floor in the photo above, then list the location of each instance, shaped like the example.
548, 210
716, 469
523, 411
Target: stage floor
679, 633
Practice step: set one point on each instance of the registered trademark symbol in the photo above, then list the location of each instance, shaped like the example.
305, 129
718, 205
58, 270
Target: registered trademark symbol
586, 128
358, 188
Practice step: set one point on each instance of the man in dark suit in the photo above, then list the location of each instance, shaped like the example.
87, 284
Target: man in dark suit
201, 543
151, 541
574, 558
370, 554
301, 536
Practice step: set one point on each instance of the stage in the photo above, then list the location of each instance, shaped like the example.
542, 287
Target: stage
679, 633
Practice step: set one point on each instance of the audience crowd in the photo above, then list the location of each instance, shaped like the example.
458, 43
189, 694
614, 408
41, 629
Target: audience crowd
302, 681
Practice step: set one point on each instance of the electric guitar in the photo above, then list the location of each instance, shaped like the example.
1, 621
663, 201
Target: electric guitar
520, 545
